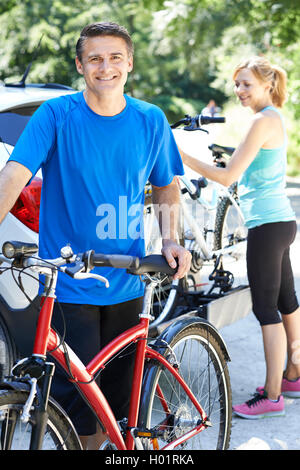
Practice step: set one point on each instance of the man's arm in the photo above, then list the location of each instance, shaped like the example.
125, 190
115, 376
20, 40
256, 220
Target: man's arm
13, 178
166, 201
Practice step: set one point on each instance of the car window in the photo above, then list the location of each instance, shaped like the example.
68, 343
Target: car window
12, 123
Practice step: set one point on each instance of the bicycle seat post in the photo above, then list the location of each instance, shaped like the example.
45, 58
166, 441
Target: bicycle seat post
147, 301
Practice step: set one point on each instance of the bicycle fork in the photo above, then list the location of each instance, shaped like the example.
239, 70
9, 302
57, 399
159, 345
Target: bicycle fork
41, 415
36, 372
33, 375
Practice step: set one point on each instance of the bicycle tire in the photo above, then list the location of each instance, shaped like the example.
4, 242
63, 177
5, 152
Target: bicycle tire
229, 225
15, 435
207, 376
7, 351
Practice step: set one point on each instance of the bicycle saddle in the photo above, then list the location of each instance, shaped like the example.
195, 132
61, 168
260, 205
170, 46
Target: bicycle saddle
220, 149
153, 264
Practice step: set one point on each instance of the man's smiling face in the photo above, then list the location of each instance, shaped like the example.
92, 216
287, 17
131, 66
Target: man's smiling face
105, 64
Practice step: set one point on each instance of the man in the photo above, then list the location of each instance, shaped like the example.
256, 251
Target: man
94, 148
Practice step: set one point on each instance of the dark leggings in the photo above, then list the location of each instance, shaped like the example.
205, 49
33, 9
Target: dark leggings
269, 271
88, 329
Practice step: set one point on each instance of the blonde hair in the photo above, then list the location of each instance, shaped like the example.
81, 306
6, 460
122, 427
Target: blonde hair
266, 72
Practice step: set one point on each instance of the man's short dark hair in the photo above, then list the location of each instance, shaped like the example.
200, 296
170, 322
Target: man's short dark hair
103, 29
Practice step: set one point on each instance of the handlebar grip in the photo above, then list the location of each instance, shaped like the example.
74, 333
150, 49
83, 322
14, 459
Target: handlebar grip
114, 261
209, 119
153, 264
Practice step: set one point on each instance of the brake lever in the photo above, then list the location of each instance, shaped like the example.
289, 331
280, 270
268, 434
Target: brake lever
79, 266
189, 128
77, 274
80, 275
81, 270
193, 126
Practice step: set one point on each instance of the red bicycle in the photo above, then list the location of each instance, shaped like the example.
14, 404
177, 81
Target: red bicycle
181, 394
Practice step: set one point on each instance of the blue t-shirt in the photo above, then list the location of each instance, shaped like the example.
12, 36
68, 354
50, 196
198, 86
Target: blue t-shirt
94, 172
262, 187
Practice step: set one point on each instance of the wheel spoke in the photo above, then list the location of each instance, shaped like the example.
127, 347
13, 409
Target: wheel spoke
16, 435
203, 367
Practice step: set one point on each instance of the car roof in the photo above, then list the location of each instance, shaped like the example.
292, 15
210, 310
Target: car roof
31, 94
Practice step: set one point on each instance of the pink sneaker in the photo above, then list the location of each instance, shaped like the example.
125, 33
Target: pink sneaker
289, 388
260, 407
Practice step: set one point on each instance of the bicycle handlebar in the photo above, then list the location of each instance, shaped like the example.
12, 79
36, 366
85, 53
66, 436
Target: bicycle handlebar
114, 261
194, 123
19, 255
209, 119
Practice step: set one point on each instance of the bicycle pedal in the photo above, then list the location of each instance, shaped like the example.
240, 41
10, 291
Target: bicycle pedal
139, 435
145, 433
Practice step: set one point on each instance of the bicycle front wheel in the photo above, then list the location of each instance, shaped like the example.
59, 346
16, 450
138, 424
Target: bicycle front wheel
167, 409
16, 435
7, 350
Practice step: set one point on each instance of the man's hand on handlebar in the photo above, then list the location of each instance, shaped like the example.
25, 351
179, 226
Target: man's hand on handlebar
172, 252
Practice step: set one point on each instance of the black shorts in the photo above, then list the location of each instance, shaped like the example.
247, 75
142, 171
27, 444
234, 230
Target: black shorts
88, 329
269, 271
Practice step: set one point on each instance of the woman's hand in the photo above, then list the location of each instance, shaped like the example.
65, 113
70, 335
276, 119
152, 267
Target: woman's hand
261, 130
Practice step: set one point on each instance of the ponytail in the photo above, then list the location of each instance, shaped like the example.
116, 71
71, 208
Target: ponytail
266, 72
278, 90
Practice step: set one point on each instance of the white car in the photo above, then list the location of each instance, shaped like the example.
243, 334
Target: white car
17, 313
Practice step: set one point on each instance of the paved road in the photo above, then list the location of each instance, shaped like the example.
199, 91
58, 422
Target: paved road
247, 371
244, 342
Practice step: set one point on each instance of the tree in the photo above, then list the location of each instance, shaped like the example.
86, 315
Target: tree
185, 50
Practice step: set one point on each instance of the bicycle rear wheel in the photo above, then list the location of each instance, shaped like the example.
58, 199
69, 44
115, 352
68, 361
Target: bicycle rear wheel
229, 226
16, 435
166, 408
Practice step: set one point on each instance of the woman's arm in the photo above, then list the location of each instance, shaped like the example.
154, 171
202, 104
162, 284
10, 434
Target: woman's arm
261, 130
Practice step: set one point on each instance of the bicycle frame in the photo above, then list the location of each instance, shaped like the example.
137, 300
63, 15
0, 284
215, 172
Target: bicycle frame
211, 207
47, 340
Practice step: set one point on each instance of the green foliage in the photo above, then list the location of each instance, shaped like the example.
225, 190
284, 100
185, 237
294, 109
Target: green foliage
185, 50
177, 107
166, 63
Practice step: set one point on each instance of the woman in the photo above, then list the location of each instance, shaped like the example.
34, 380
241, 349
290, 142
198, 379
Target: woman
260, 161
